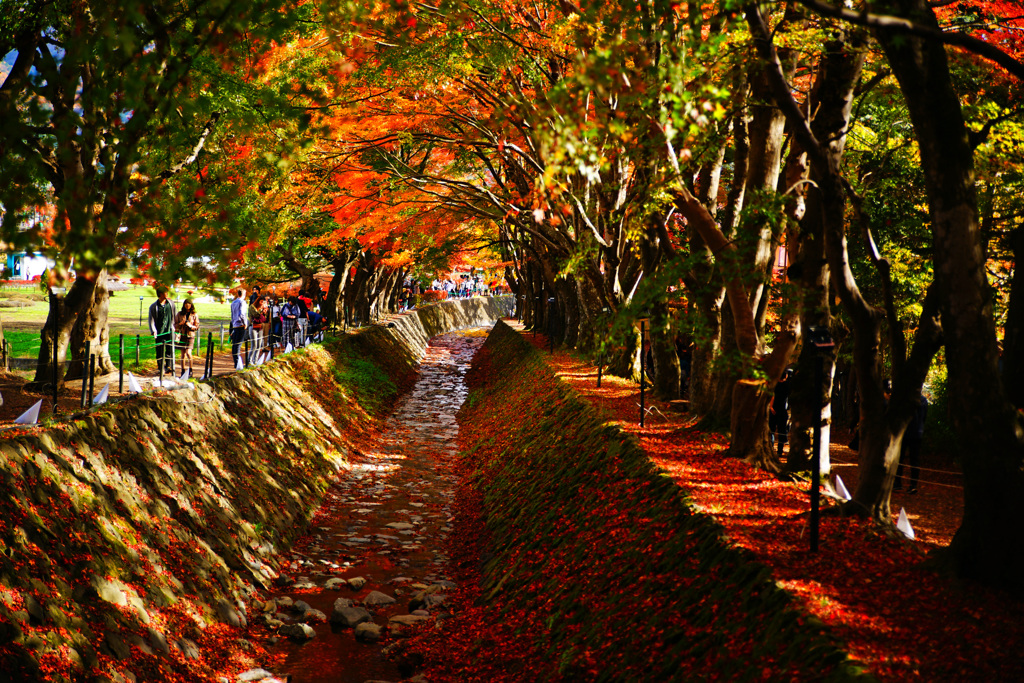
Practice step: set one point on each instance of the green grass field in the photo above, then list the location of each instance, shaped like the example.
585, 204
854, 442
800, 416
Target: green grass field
23, 311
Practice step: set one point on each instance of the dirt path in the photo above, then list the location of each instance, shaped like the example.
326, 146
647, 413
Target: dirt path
895, 614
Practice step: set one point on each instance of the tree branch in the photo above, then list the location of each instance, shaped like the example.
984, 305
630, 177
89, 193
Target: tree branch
196, 149
899, 24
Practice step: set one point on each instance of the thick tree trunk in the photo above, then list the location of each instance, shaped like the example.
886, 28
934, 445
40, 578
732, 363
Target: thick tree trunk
706, 295
749, 425
91, 326
567, 313
726, 373
333, 308
989, 545
665, 374
701, 383
79, 297
767, 125
749, 418
307, 276
356, 296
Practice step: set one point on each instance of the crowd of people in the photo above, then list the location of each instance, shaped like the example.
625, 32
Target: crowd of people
266, 321
270, 321
454, 287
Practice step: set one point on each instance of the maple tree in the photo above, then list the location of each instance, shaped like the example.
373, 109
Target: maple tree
337, 208
586, 145
562, 150
618, 160
959, 291
108, 111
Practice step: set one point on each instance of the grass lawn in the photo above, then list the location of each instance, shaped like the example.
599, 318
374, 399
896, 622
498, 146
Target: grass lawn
23, 310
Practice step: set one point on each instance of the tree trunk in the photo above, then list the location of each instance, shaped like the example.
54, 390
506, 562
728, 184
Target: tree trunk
749, 425
667, 381
726, 373
701, 383
358, 306
567, 327
767, 125
334, 304
307, 276
79, 297
989, 545
92, 326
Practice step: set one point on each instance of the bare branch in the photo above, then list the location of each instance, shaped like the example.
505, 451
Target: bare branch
196, 149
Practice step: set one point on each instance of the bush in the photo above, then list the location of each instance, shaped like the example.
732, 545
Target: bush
432, 295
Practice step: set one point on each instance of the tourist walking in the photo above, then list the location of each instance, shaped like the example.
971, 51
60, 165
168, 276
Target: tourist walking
238, 325
161, 326
187, 324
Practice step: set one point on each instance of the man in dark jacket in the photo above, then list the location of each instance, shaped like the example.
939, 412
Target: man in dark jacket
910, 450
778, 412
161, 326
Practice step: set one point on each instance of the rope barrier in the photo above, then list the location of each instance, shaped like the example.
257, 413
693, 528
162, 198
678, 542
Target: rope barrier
923, 469
907, 476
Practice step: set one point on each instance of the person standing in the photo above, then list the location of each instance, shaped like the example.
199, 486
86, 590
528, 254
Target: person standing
274, 328
187, 324
778, 412
161, 326
910, 449
239, 323
302, 322
289, 314
258, 314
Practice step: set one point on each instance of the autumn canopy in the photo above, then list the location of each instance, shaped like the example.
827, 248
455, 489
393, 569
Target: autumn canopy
737, 173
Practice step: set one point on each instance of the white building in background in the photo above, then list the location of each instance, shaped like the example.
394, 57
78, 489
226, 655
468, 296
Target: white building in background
23, 265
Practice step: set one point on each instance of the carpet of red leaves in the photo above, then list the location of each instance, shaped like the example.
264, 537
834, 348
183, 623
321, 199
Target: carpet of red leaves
597, 570
904, 621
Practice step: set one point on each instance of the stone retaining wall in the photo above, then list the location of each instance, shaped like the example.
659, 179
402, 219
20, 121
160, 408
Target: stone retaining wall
133, 539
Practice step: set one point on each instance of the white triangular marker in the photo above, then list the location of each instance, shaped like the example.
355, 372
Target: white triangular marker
841, 488
308, 341
288, 348
238, 365
30, 416
133, 384
903, 524
184, 376
102, 396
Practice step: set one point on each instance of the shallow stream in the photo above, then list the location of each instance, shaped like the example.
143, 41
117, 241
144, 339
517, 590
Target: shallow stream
403, 479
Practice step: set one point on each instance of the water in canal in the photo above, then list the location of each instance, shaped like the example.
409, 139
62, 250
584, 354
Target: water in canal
403, 479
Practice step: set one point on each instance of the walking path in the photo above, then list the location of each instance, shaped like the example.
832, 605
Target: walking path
373, 559
901, 619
